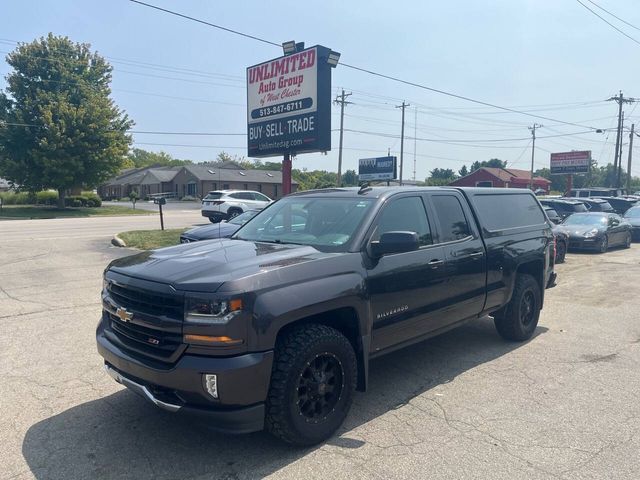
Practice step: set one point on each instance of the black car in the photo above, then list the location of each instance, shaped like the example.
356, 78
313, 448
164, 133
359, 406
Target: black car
632, 216
223, 229
597, 231
275, 327
595, 204
562, 243
552, 215
621, 205
564, 207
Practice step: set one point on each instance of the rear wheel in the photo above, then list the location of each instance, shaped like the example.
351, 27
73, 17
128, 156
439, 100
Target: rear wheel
518, 320
312, 385
627, 241
561, 252
603, 246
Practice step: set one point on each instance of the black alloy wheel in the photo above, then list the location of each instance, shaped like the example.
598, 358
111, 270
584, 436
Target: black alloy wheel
320, 387
603, 246
561, 252
527, 308
627, 242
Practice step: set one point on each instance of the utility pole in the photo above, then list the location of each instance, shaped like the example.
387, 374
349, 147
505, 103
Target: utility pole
533, 150
629, 159
403, 107
618, 173
342, 101
618, 152
415, 135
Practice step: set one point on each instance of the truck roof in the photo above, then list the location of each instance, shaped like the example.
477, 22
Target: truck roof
383, 191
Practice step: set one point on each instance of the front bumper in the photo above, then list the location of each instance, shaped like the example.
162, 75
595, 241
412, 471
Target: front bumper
581, 243
243, 383
214, 214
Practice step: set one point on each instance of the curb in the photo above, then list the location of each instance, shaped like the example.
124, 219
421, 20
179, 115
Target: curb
117, 241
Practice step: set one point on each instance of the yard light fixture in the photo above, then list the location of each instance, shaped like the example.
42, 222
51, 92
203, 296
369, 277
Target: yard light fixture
289, 47
333, 59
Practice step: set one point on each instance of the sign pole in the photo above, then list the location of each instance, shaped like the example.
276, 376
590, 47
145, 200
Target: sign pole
161, 216
569, 183
286, 175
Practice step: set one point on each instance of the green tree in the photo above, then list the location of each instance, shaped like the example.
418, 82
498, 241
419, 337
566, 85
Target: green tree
62, 130
492, 163
463, 172
441, 176
350, 178
140, 158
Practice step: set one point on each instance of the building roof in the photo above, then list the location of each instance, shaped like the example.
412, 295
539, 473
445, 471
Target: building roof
4, 184
226, 174
509, 175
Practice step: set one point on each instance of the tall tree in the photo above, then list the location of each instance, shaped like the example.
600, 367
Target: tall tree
62, 129
441, 176
139, 158
493, 163
463, 172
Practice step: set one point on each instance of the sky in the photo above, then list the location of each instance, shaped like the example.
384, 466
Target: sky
551, 58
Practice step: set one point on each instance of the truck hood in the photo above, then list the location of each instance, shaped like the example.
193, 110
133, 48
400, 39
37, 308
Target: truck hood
206, 266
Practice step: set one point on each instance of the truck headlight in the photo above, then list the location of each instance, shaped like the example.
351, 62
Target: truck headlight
211, 311
591, 233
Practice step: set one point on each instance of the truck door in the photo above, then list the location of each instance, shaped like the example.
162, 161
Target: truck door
465, 256
405, 289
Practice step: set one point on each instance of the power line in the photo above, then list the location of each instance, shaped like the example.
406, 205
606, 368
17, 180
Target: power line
365, 70
208, 134
607, 22
614, 16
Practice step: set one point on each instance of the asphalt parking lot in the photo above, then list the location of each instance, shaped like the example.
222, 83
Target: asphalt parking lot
463, 405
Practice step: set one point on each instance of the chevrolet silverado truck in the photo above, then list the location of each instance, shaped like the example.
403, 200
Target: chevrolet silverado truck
275, 327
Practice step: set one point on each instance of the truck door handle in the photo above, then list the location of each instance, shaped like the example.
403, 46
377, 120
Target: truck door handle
435, 263
476, 254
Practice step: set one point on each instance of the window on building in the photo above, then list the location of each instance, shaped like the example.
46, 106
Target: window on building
275, 191
488, 183
245, 186
225, 186
259, 187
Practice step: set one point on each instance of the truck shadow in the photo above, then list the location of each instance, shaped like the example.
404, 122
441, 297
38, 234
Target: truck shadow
121, 436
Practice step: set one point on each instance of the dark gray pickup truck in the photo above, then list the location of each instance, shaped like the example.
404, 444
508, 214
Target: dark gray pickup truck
275, 326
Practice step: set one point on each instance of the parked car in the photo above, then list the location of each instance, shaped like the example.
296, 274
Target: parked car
597, 231
632, 216
552, 215
621, 205
275, 326
594, 204
562, 243
223, 229
596, 192
563, 206
225, 204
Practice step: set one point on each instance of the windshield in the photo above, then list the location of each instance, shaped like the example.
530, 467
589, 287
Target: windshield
243, 218
632, 213
579, 207
586, 220
325, 223
213, 196
606, 207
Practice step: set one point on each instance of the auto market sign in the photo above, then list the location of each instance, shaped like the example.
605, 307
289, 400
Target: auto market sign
289, 104
570, 162
380, 168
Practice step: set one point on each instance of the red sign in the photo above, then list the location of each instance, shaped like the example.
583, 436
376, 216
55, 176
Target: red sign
571, 162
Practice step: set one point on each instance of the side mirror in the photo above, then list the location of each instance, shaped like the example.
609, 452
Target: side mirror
395, 242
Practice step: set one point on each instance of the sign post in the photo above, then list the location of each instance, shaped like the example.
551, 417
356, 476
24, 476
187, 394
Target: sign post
289, 106
379, 168
160, 202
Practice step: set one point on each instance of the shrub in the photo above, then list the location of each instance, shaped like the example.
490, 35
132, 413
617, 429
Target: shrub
92, 199
22, 198
8, 198
75, 201
47, 197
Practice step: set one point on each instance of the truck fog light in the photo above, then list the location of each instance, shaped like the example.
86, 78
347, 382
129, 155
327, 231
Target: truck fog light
211, 384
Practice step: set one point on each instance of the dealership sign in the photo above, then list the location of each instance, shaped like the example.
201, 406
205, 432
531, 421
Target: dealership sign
380, 168
570, 162
289, 104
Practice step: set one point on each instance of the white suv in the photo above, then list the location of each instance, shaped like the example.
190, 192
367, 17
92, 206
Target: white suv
225, 204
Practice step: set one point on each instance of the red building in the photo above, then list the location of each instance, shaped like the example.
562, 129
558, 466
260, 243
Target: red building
503, 178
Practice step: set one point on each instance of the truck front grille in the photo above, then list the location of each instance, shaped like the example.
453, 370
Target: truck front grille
149, 303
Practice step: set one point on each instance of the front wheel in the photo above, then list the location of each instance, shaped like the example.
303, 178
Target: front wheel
312, 384
627, 241
519, 319
603, 246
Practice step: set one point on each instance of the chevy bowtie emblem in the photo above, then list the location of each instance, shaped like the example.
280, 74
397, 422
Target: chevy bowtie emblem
123, 315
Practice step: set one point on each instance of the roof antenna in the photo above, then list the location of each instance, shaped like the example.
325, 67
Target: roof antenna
364, 188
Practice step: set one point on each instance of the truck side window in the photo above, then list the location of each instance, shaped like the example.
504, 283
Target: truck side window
451, 219
407, 215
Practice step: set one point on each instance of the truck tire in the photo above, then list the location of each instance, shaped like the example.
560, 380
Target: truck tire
518, 320
312, 384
